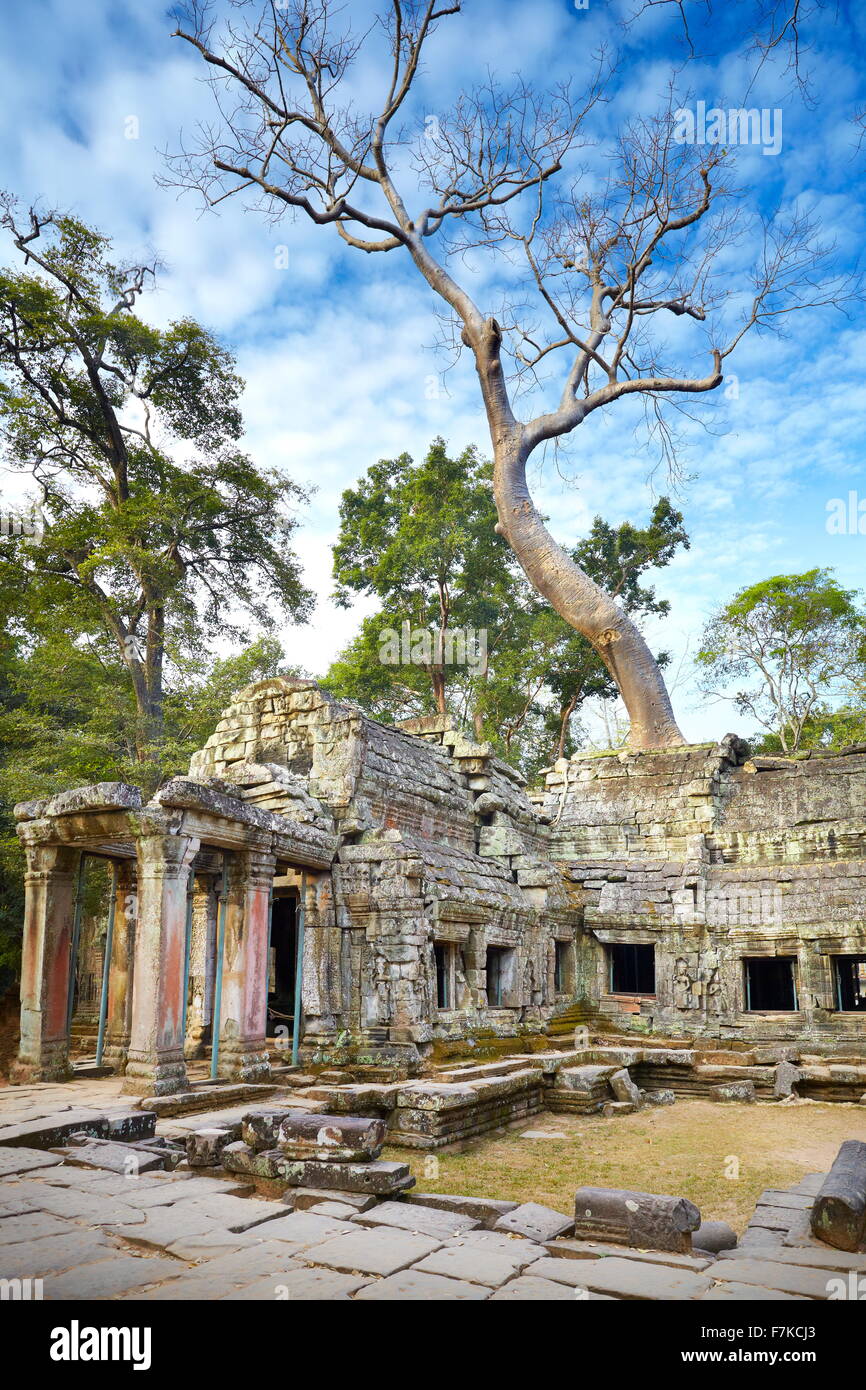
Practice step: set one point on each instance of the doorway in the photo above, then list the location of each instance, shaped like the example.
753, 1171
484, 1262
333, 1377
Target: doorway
282, 965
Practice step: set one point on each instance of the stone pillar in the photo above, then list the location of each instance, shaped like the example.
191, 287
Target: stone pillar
243, 1054
155, 1064
49, 909
202, 962
118, 1023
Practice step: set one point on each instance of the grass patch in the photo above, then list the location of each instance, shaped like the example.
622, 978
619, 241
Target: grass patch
687, 1149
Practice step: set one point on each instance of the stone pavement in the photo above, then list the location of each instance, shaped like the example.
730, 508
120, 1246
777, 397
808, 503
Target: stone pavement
88, 1234
91, 1233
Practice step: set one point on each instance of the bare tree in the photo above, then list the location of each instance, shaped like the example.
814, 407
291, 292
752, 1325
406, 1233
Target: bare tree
594, 274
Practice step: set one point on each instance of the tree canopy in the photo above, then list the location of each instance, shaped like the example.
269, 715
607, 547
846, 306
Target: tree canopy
158, 528
797, 642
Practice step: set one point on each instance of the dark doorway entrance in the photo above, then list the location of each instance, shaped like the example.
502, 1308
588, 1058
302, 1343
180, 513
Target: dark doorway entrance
282, 965
851, 983
770, 986
632, 969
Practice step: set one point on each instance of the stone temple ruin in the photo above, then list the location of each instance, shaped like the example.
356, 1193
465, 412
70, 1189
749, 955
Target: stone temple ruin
445, 953
442, 910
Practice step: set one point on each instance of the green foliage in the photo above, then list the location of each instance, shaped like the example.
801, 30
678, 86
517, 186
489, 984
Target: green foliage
798, 644
67, 719
421, 538
825, 728
159, 529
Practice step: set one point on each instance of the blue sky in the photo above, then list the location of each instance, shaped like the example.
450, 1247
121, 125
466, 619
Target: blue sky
338, 348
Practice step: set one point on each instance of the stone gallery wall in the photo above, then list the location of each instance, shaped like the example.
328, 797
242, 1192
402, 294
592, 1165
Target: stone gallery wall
712, 860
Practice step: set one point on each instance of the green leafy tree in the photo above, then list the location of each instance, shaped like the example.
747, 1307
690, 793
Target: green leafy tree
797, 642
422, 539
142, 549
68, 718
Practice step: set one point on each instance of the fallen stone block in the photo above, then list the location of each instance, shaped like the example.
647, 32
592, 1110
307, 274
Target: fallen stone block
714, 1236
612, 1108
204, 1147
661, 1096
585, 1079
131, 1125
786, 1078
260, 1128
731, 1091
839, 1214
624, 1088
331, 1138
535, 1222
642, 1219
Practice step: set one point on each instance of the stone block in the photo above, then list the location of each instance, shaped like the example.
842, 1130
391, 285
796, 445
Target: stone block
22, 1160
485, 1210
612, 1108
303, 1198
408, 1216
381, 1251
714, 1236
477, 1266
729, 1092
114, 1158
839, 1212
535, 1222
643, 1279
624, 1088
641, 1219
785, 1079
260, 1128
331, 1138
771, 1274
661, 1096
204, 1147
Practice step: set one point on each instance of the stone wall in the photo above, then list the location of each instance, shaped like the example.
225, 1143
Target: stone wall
715, 859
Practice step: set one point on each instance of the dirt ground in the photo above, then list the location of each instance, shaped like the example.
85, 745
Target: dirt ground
720, 1156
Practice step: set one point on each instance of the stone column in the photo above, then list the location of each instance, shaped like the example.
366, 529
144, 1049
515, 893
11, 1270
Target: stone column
201, 966
118, 1023
155, 1064
243, 1054
49, 909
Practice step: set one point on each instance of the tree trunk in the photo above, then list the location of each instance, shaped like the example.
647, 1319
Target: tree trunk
564, 715
575, 597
